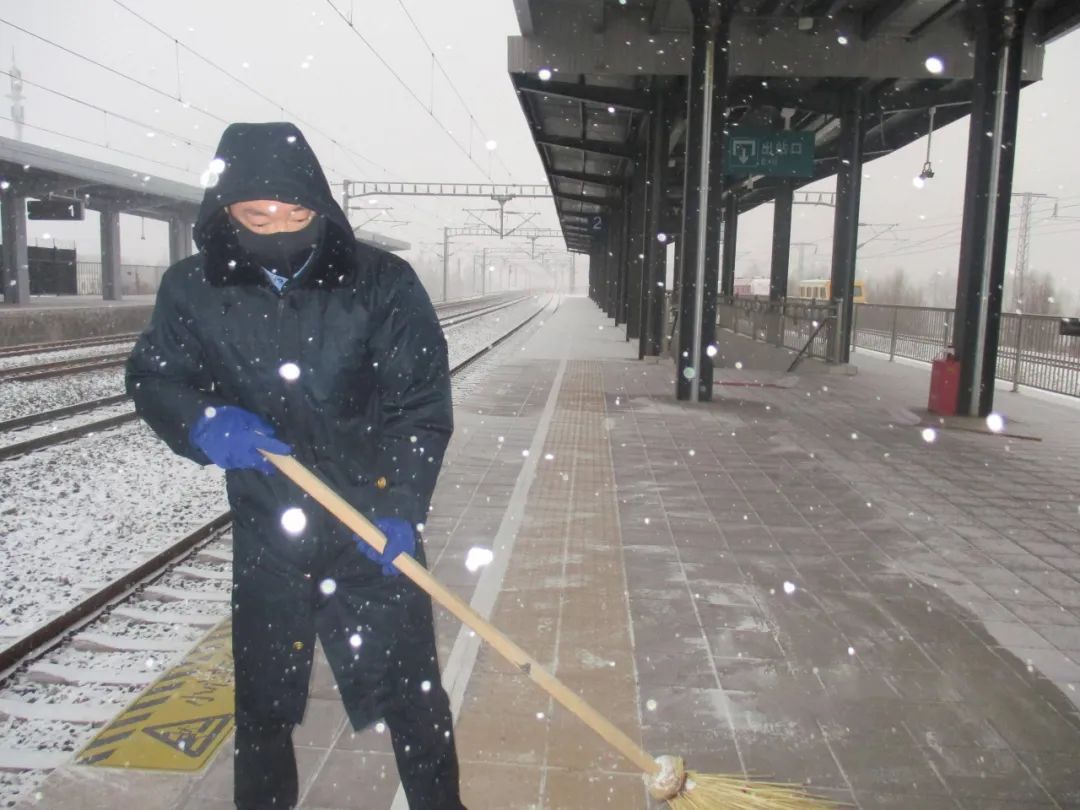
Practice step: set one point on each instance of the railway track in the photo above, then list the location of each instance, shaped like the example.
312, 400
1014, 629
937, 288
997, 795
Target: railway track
65, 345
25, 446
186, 585
63, 368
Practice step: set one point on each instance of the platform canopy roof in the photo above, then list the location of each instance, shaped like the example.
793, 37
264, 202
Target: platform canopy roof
794, 58
38, 172
380, 240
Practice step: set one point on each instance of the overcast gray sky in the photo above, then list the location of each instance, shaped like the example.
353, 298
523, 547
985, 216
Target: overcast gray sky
314, 67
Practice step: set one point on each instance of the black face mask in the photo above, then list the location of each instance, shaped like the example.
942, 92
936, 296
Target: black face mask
282, 253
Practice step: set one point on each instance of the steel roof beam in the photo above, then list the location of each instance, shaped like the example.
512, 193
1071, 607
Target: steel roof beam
605, 148
878, 16
617, 97
525, 17
659, 15
584, 177
1058, 21
926, 24
603, 202
780, 50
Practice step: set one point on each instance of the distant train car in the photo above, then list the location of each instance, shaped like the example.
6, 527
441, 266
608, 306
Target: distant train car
752, 286
821, 289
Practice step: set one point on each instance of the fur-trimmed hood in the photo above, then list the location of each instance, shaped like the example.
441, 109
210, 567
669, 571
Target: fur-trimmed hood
269, 162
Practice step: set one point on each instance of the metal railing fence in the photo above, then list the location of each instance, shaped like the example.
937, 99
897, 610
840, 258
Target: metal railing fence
135, 279
791, 324
919, 333
1031, 351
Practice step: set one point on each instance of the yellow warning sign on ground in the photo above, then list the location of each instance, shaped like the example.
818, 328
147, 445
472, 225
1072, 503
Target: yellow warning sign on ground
180, 720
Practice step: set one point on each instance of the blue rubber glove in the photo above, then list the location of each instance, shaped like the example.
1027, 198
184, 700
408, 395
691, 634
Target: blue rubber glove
231, 437
400, 539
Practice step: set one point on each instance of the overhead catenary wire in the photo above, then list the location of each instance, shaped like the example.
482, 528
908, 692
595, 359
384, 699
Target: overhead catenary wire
157, 91
412, 93
442, 69
120, 74
224, 71
118, 116
113, 71
919, 247
352, 154
98, 145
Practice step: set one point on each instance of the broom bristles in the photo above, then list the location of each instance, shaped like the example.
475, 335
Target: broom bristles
724, 792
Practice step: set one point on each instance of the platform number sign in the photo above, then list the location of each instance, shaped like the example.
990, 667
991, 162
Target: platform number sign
55, 210
597, 225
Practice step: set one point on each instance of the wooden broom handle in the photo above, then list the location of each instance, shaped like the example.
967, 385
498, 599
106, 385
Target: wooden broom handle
343, 511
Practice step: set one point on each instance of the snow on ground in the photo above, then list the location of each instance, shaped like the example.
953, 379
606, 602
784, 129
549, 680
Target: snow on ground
22, 360
55, 426
22, 398
80, 514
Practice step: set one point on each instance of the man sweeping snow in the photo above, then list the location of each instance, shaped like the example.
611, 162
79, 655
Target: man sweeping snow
285, 334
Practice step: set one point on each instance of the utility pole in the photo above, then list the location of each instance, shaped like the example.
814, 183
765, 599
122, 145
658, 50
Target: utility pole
445, 258
483, 272
802, 246
1023, 245
18, 111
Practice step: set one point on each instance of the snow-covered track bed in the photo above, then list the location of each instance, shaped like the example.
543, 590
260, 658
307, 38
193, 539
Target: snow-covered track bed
34, 431
76, 345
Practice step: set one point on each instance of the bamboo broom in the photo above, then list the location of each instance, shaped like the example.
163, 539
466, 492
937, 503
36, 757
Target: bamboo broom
665, 776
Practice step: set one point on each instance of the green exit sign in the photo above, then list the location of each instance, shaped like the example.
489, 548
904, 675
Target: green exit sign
774, 153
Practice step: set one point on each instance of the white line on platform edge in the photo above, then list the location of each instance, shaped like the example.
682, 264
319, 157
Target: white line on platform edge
459, 665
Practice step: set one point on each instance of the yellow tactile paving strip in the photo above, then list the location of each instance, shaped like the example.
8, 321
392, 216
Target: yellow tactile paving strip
179, 721
564, 600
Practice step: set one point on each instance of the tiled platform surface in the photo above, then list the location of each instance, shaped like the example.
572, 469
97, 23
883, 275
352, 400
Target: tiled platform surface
788, 581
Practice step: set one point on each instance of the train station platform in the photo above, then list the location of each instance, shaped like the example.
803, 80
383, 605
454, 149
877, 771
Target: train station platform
804, 580
70, 317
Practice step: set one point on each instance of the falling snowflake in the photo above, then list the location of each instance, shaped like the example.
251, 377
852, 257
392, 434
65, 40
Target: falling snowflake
289, 372
789, 587
293, 520
478, 557
929, 435
328, 586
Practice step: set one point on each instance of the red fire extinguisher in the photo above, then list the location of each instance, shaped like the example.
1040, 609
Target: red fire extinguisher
944, 385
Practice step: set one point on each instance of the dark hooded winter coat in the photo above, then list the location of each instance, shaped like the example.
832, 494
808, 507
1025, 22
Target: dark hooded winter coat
370, 412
